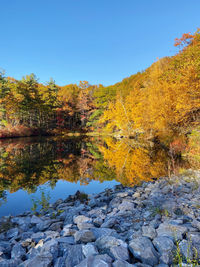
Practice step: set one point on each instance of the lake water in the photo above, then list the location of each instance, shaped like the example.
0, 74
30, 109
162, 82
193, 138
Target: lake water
58, 167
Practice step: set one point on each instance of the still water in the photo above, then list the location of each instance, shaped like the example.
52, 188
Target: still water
60, 167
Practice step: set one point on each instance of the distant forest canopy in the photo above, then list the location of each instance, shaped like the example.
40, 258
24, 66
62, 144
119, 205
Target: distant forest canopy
161, 101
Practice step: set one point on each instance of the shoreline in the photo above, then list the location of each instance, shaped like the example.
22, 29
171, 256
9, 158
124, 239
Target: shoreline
153, 224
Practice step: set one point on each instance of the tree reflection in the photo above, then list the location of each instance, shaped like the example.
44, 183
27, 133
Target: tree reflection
27, 163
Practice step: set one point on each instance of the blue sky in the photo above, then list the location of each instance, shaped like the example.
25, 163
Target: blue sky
101, 41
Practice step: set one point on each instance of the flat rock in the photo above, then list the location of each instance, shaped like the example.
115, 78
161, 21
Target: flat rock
175, 232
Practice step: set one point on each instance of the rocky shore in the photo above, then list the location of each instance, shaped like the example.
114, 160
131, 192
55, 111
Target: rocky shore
154, 224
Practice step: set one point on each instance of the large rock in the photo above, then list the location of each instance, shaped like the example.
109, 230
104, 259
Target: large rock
12, 233
84, 236
106, 242
99, 232
5, 247
36, 237
89, 249
173, 231
119, 253
41, 260
18, 252
120, 263
109, 223
60, 262
96, 261
84, 225
35, 220
81, 219
56, 226
51, 246
186, 249
163, 244
9, 263
149, 231
126, 205
142, 249
75, 256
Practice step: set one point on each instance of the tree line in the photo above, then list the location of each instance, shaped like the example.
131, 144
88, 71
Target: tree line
162, 101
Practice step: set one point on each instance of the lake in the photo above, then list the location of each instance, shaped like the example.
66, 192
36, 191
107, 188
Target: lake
58, 167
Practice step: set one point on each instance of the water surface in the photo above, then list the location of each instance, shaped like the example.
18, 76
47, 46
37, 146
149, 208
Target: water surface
59, 167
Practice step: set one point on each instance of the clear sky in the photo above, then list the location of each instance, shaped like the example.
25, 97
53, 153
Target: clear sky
101, 41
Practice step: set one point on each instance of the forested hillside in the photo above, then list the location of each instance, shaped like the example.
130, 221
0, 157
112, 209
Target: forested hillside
161, 101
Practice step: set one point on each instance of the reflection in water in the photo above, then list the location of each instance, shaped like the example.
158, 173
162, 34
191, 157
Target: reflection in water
29, 162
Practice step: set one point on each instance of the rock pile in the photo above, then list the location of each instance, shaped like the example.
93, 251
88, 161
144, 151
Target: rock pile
120, 227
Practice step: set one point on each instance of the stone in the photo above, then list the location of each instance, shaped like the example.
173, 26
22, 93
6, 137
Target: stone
68, 232
99, 232
186, 249
109, 223
18, 252
5, 247
35, 220
10, 262
67, 240
96, 261
126, 205
60, 262
41, 260
36, 237
163, 244
136, 195
196, 224
51, 235
81, 219
12, 233
122, 194
149, 231
26, 235
89, 249
119, 253
175, 232
75, 256
120, 263
106, 242
84, 236
84, 225
143, 249
51, 246
56, 226
98, 222
44, 225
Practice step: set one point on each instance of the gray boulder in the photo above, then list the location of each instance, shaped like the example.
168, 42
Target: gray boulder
84, 236
143, 249
41, 260
75, 256
18, 252
119, 253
